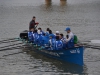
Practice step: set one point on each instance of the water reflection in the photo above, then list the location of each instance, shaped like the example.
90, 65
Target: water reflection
48, 3
62, 67
63, 2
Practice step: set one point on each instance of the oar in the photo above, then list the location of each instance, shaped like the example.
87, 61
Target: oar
32, 44
14, 53
36, 26
91, 41
86, 44
11, 45
92, 46
95, 41
17, 47
9, 39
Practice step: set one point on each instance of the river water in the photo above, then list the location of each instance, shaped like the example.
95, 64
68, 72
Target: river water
83, 16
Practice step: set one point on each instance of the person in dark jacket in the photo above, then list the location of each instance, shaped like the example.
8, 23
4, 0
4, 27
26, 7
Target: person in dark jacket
33, 23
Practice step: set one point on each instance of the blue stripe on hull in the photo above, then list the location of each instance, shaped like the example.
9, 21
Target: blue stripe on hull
74, 55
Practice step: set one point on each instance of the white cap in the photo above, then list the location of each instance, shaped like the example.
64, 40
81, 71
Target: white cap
57, 31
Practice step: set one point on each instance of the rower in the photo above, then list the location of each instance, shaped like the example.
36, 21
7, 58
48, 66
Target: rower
45, 40
33, 23
47, 31
52, 41
70, 38
39, 38
35, 36
57, 33
41, 31
50, 33
58, 43
61, 37
30, 35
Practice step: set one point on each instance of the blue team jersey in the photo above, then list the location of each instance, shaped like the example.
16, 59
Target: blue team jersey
52, 43
35, 35
58, 45
39, 39
45, 40
30, 36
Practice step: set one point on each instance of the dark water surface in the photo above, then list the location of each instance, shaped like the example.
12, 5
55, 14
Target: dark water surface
83, 16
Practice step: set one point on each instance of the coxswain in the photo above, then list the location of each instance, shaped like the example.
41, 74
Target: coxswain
70, 38
32, 23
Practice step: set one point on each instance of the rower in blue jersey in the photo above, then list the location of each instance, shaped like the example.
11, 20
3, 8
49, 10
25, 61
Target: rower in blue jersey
58, 44
70, 38
52, 42
30, 35
45, 40
39, 38
41, 31
47, 33
35, 36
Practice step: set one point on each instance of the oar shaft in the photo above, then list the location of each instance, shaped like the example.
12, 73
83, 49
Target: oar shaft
11, 45
9, 39
93, 47
17, 47
13, 54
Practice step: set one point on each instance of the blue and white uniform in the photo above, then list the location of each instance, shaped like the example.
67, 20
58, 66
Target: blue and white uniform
39, 39
42, 32
35, 36
52, 41
52, 44
30, 36
59, 45
45, 41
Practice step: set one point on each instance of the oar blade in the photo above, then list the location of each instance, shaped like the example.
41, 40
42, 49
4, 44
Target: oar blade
95, 41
